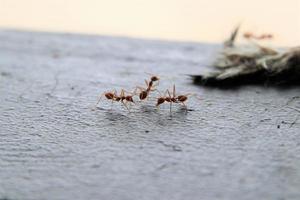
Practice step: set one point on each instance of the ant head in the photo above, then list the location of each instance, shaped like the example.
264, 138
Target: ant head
143, 95
154, 78
160, 100
109, 95
182, 98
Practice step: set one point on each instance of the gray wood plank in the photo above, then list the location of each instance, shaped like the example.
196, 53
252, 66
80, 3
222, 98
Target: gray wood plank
233, 144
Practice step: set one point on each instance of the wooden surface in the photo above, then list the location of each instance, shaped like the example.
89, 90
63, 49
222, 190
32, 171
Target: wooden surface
233, 144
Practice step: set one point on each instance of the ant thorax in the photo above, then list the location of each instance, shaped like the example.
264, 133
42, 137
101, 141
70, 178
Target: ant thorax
174, 99
168, 99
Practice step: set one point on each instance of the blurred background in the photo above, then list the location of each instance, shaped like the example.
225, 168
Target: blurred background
183, 20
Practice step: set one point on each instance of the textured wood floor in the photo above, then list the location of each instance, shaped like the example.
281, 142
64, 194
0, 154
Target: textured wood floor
233, 144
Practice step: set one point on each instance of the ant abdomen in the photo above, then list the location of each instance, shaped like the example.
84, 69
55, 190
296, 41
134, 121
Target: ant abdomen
143, 95
160, 100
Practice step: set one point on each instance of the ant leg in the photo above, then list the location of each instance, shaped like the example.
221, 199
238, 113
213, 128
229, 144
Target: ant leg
148, 96
160, 93
134, 91
193, 95
129, 105
174, 95
115, 92
146, 82
122, 93
132, 104
111, 105
99, 99
141, 88
185, 107
125, 91
167, 91
154, 86
158, 107
125, 106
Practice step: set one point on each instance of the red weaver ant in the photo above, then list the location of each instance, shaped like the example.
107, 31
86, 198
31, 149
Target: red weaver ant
113, 96
173, 98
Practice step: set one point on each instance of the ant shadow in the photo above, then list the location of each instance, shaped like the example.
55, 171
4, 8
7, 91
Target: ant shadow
149, 110
113, 115
145, 116
163, 116
143, 123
